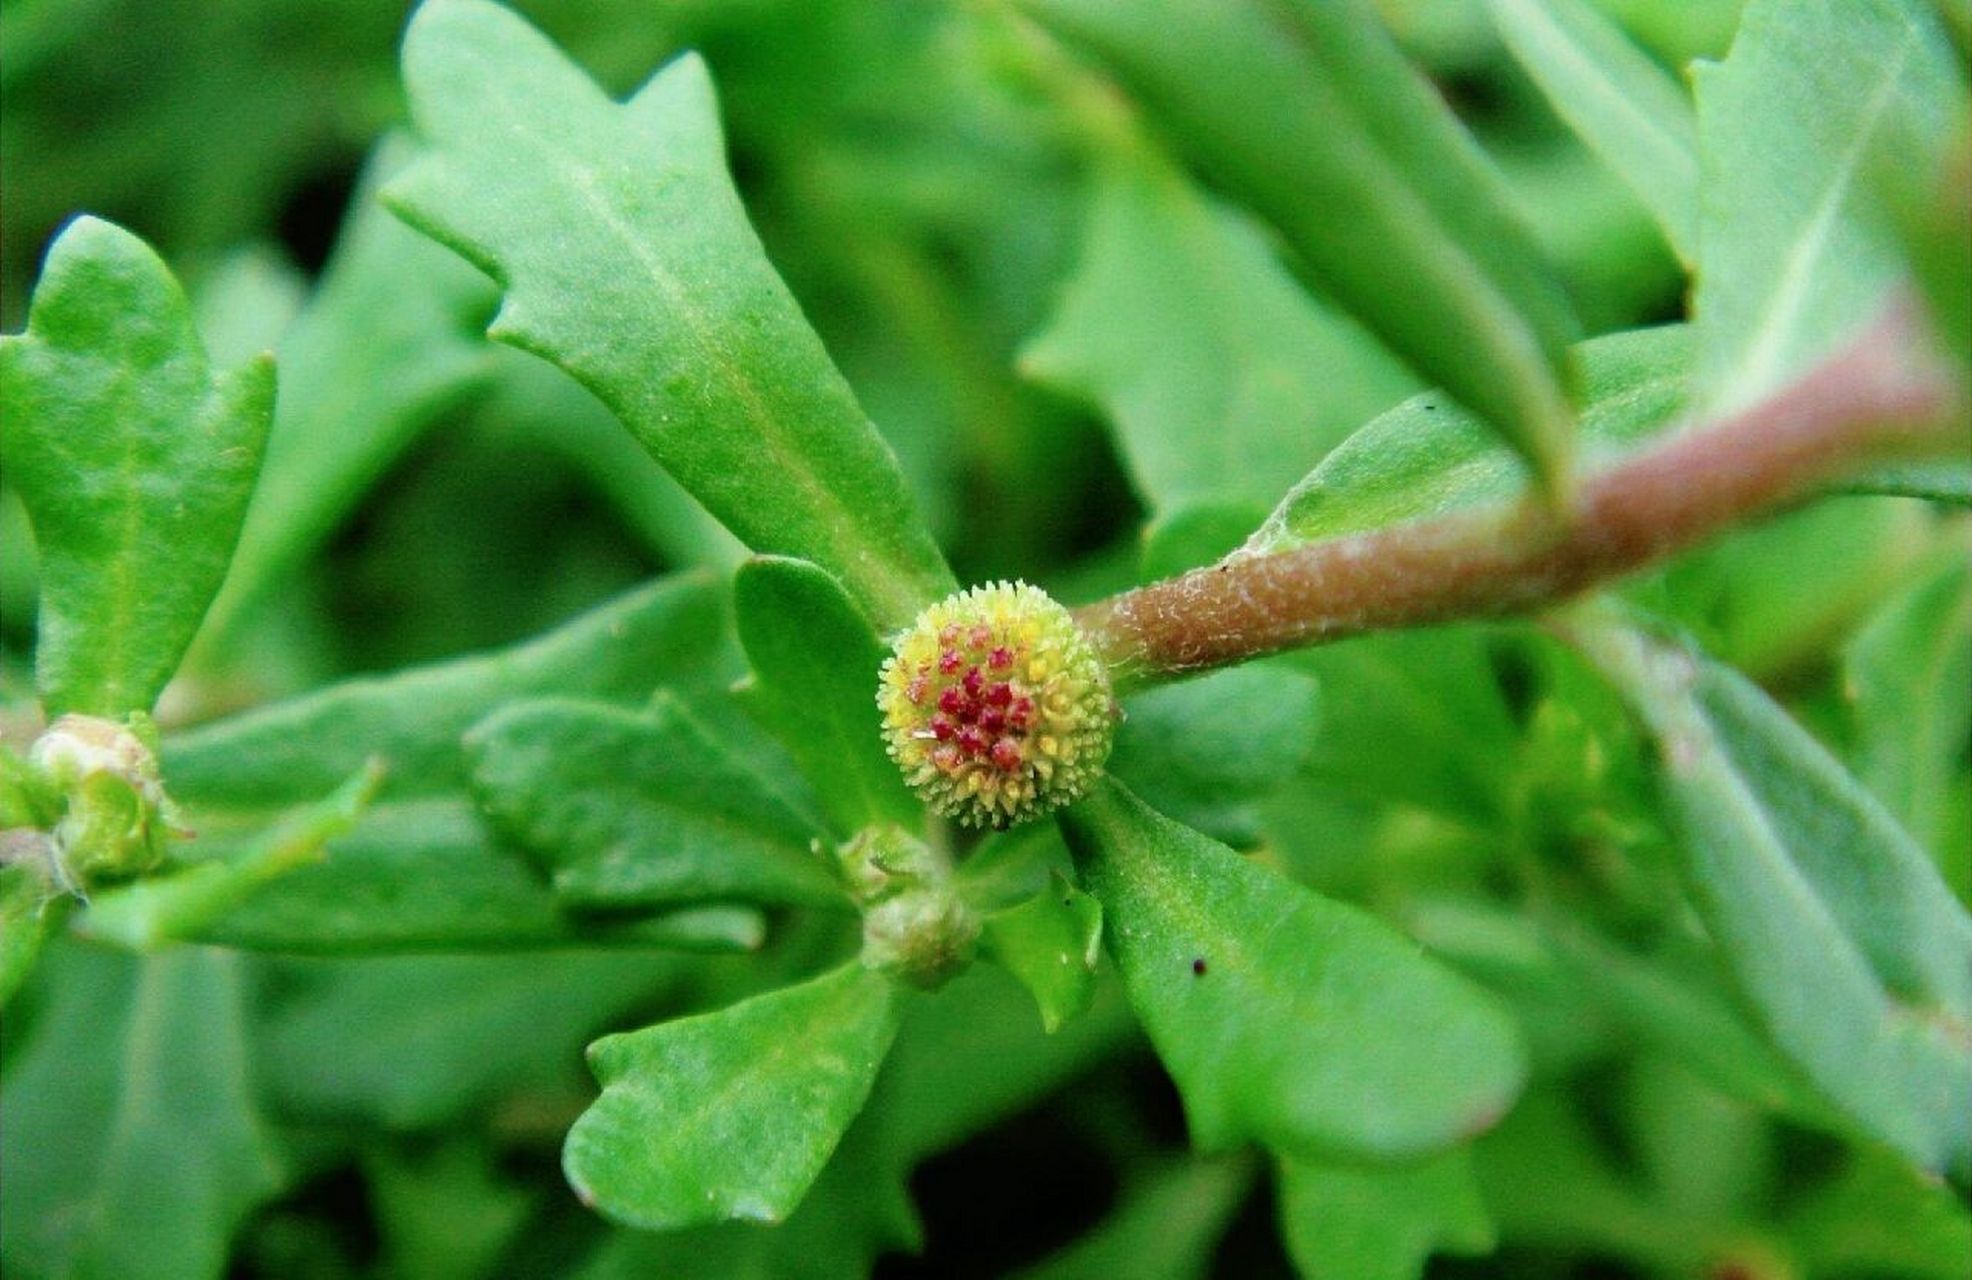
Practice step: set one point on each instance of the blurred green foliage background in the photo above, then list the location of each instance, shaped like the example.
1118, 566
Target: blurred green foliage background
925, 195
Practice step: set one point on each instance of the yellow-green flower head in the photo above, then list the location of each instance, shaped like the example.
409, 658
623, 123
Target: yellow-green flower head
995, 706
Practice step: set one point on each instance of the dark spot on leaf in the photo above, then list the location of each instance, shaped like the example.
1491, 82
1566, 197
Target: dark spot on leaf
1198, 967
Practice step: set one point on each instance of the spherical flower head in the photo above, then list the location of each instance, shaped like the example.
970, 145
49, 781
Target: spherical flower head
995, 706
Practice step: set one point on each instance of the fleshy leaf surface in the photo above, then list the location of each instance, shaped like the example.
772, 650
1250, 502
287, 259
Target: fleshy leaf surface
1380, 1224
625, 257
1051, 943
429, 875
672, 631
730, 1114
135, 459
642, 808
1286, 1018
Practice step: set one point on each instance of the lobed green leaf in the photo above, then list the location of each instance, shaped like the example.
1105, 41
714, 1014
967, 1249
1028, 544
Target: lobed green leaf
1351, 127
625, 257
858, 1209
672, 631
1285, 1018
730, 1114
649, 808
960, 1063
1381, 1224
1222, 377
135, 462
1051, 944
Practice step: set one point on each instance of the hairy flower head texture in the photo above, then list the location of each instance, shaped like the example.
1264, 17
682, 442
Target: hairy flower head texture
995, 706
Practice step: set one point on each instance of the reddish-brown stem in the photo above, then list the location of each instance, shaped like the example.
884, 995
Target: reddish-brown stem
1877, 398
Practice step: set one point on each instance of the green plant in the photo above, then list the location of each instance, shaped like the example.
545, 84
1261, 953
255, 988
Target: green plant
1523, 838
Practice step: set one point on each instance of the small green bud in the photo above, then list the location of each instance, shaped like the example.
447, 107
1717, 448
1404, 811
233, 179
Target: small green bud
996, 706
922, 936
883, 861
915, 926
115, 815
